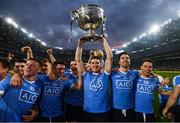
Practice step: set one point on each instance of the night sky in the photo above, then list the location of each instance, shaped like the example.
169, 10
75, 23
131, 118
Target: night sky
49, 20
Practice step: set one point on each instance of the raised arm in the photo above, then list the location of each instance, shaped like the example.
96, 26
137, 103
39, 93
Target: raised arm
51, 56
78, 55
172, 99
10, 56
28, 51
79, 83
109, 55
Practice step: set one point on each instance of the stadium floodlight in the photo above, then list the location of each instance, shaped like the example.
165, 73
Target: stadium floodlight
134, 40
43, 43
168, 21
60, 48
125, 45
154, 29
143, 35
31, 35
9, 20
114, 49
38, 40
24, 30
178, 13
118, 51
15, 25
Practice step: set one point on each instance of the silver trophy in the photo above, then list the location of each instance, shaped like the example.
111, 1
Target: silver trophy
90, 18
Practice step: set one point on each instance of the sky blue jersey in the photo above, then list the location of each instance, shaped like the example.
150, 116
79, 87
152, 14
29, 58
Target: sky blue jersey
144, 97
123, 89
96, 94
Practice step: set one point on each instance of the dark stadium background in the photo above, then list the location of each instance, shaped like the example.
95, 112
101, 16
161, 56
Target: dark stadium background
162, 47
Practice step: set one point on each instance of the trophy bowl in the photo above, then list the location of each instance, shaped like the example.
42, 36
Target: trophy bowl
89, 18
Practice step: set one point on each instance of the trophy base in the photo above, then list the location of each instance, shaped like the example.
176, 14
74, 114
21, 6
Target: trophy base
90, 38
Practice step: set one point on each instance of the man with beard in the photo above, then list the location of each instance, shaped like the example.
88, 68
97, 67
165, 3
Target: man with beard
146, 85
123, 89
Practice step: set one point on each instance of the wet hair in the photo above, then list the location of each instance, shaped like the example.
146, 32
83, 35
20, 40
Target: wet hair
122, 53
146, 60
5, 63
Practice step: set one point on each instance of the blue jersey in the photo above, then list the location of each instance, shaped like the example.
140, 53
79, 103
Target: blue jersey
73, 97
4, 85
51, 98
19, 100
164, 98
123, 89
96, 93
176, 82
144, 94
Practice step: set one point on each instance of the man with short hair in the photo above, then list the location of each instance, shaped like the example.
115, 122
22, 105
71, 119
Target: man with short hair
16, 102
145, 88
123, 89
19, 66
96, 104
73, 98
51, 102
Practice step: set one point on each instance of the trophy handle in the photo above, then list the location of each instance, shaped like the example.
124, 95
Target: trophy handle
104, 27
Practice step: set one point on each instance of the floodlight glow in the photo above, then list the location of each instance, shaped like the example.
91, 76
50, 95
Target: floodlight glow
113, 49
168, 21
143, 35
15, 25
38, 40
154, 29
178, 13
134, 40
43, 43
125, 45
9, 20
24, 30
60, 48
31, 35
118, 51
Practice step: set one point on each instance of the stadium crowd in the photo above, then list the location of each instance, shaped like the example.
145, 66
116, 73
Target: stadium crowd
48, 91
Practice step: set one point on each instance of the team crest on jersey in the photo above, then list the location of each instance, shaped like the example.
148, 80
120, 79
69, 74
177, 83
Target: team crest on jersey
145, 88
96, 85
124, 84
53, 91
32, 88
28, 96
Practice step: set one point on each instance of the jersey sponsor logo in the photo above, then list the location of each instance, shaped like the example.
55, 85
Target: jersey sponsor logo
53, 91
145, 88
124, 84
96, 85
28, 96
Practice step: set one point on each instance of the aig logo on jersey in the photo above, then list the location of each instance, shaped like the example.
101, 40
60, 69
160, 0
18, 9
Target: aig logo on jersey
28, 96
95, 86
124, 84
145, 88
54, 91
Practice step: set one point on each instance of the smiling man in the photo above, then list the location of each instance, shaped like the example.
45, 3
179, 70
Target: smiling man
96, 84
